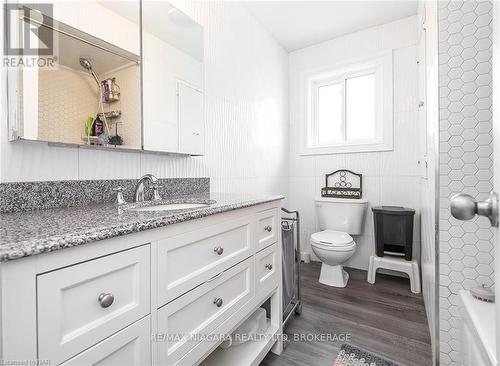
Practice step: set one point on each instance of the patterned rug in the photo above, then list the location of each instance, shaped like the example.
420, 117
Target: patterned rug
353, 356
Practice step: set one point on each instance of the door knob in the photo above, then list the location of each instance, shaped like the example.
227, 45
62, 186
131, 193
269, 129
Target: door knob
465, 207
106, 300
218, 302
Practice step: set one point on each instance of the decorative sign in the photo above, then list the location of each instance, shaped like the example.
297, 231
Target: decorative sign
343, 184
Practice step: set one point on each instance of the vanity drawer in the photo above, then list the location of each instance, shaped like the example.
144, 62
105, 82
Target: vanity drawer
202, 310
130, 346
267, 228
187, 260
81, 305
266, 268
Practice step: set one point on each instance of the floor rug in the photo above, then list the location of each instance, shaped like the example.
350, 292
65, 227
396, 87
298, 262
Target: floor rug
353, 356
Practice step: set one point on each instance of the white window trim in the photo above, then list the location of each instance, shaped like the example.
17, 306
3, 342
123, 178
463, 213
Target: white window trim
381, 64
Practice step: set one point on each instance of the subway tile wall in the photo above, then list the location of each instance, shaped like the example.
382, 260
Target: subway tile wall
466, 161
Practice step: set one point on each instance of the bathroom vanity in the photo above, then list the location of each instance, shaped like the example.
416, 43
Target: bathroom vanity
103, 284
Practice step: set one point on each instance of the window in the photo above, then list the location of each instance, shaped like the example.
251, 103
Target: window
349, 107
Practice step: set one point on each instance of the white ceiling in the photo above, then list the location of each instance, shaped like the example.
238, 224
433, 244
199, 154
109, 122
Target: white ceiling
298, 24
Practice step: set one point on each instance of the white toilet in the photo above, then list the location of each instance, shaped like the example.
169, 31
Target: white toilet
338, 217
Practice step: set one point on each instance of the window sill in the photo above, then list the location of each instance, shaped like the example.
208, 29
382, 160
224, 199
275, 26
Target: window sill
347, 149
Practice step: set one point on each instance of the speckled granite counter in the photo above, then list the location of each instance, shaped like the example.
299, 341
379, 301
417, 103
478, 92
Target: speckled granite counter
29, 233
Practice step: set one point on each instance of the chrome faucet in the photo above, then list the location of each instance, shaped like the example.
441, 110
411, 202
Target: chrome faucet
139, 188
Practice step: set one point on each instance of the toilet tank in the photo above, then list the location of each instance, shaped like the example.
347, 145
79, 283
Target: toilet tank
341, 214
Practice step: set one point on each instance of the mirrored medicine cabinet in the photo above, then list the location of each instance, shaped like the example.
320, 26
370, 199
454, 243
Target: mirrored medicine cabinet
130, 78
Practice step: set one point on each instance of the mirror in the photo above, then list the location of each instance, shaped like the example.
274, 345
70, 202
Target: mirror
172, 54
91, 94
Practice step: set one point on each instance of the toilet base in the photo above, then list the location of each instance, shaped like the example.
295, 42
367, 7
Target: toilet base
334, 276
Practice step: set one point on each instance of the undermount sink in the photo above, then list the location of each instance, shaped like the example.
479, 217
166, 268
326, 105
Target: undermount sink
171, 207
169, 204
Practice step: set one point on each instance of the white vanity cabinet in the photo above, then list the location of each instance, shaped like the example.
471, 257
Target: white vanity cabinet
164, 296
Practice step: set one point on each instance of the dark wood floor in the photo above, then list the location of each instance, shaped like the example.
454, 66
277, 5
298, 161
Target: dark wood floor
385, 318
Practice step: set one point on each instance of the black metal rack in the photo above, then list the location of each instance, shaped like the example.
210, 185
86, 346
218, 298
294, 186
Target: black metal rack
295, 304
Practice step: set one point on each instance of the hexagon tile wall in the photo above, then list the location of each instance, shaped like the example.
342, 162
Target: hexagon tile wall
466, 162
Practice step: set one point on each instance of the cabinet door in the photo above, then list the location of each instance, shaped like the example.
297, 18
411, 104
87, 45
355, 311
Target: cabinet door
266, 269
80, 305
131, 346
267, 228
191, 123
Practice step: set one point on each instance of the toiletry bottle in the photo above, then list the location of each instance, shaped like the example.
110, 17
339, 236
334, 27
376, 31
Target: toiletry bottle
111, 92
98, 126
105, 91
89, 126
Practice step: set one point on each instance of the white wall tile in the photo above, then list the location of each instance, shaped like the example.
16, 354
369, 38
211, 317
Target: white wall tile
399, 34
301, 190
400, 191
371, 192
365, 247
368, 164
324, 164
101, 164
405, 78
33, 161
403, 160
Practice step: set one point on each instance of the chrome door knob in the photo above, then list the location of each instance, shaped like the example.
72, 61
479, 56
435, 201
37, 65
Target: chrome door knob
268, 228
219, 250
269, 266
465, 207
218, 302
106, 300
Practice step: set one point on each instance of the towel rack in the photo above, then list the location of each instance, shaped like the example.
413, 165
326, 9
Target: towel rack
287, 224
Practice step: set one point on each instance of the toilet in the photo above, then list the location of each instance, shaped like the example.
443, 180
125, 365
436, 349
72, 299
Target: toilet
339, 218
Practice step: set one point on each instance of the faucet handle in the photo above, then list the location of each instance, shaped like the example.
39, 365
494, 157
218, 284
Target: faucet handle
156, 194
119, 195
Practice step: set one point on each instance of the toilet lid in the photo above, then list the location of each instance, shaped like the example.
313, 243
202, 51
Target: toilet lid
332, 238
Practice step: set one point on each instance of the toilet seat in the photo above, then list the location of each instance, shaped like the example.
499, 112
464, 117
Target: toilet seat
333, 240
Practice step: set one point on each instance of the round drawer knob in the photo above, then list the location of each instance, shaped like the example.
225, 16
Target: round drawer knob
269, 266
218, 302
219, 250
268, 228
106, 300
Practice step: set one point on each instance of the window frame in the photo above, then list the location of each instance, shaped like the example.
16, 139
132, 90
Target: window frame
380, 65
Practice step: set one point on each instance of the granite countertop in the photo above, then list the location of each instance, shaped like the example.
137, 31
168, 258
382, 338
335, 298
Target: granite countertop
29, 233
